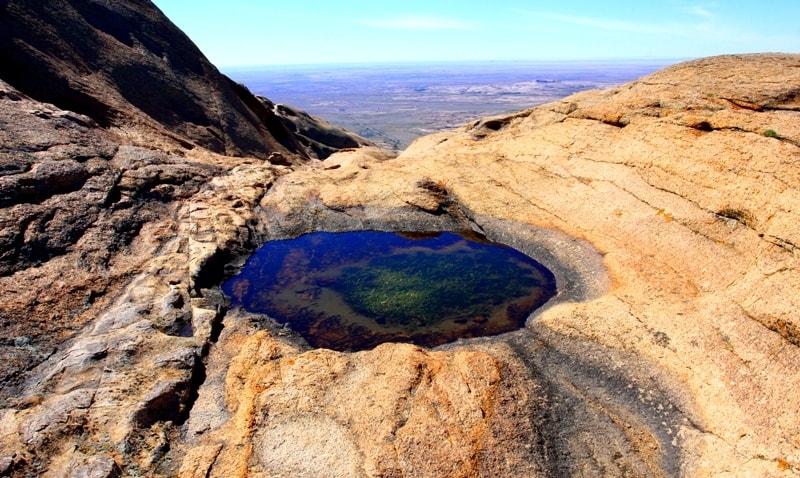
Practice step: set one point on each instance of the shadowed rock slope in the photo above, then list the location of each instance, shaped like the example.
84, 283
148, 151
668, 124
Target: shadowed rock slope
125, 65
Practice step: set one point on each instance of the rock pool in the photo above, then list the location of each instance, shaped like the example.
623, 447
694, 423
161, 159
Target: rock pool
354, 290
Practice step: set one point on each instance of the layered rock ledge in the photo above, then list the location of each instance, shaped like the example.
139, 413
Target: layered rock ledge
686, 182
679, 359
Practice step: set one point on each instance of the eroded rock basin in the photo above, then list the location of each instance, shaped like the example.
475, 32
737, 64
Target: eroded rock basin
354, 290
395, 408
670, 348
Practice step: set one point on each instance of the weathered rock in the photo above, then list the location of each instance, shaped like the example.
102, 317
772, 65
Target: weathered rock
667, 206
686, 181
72, 208
126, 65
97, 467
287, 414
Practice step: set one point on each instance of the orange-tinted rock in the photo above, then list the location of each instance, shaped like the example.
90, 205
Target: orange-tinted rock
680, 181
674, 352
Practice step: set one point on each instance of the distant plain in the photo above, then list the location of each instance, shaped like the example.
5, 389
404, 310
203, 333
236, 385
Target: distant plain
393, 104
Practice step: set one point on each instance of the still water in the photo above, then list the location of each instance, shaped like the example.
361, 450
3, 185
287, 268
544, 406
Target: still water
354, 290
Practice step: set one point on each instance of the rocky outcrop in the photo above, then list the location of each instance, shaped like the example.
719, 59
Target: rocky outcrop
73, 201
686, 183
666, 208
105, 328
125, 65
319, 138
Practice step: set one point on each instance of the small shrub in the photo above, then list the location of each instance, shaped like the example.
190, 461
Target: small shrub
771, 133
661, 338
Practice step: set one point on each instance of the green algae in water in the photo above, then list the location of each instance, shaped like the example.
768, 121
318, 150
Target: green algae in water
355, 290
418, 289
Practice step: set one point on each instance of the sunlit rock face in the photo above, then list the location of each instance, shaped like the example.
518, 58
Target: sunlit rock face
665, 209
685, 181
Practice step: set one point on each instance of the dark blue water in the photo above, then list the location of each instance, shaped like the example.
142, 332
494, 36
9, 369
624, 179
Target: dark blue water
355, 290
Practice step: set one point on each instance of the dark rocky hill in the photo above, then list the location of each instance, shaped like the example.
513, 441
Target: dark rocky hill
124, 64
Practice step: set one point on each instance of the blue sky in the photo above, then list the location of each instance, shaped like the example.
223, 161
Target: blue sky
259, 32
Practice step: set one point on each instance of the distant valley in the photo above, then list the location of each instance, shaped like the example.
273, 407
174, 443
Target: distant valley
393, 104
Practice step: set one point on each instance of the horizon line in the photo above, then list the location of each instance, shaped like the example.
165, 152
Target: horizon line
356, 63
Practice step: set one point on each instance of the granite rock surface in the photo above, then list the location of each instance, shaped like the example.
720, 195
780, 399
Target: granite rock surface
666, 208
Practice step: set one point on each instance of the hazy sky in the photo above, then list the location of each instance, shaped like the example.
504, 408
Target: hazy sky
263, 32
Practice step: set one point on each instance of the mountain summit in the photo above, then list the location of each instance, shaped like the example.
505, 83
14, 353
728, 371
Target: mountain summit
134, 178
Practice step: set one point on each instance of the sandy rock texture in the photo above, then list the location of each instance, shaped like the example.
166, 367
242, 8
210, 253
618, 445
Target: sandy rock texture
686, 182
666, 207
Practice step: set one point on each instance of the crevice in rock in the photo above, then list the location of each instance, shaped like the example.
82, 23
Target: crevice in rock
784, 328
216, 300
165, 402
741, 216
704, 126
495, 125
213, 461
793, 109
213, 270
785, 244
196, 381
742, 104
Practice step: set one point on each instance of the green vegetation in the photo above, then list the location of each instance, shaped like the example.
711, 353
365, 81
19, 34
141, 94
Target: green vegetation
355, 290
771, 133
418, 289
